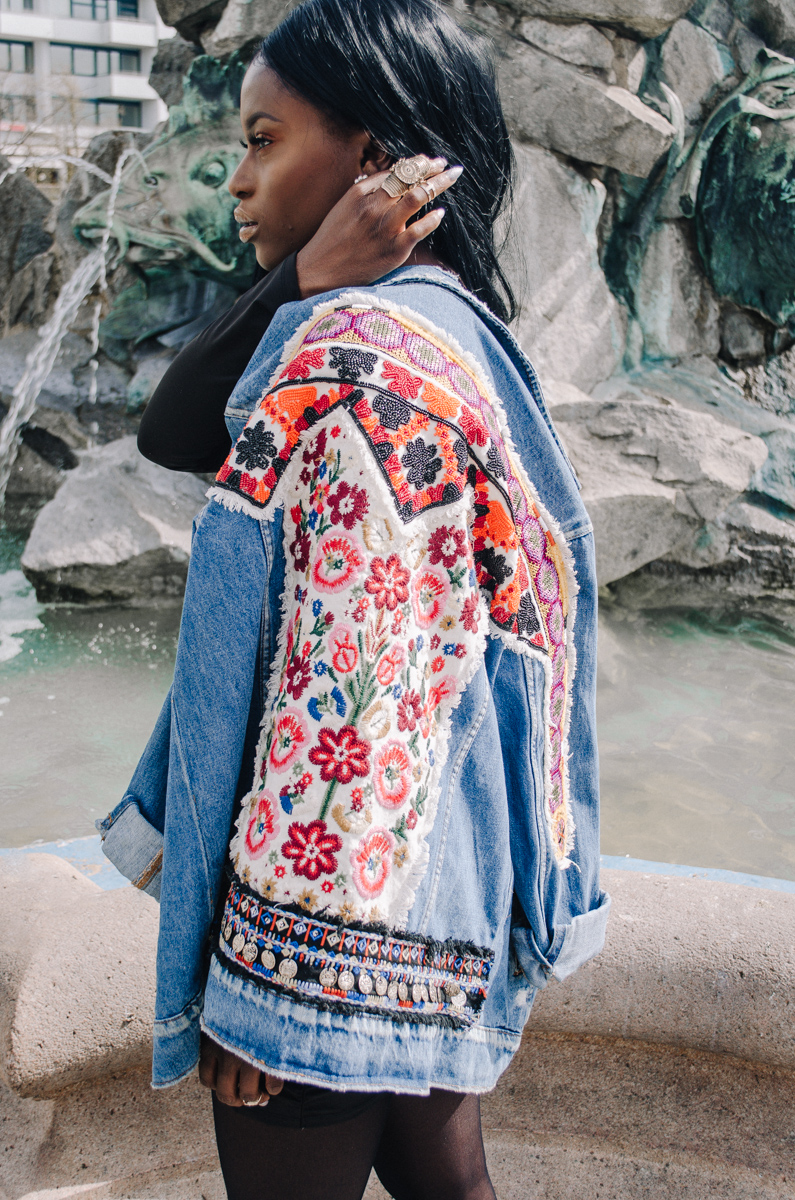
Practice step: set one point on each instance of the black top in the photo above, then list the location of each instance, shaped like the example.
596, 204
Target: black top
183, 424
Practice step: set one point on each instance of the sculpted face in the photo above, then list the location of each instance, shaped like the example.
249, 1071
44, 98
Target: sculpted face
295, 169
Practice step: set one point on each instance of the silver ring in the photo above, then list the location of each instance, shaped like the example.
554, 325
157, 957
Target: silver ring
252, 1103
429, 191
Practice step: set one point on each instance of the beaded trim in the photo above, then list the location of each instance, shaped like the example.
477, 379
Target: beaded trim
352, 969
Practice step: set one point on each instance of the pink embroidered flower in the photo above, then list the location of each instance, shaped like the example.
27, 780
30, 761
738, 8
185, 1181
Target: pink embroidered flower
388, 582
312, 849
440, 691
348, 505
446, 545
429, 591
411, 818
371, 862
409, 711
341, 755
470, 614
344, 652
392, 774
401, 381
338, 561
289, 735
391, 662
262, 826
298, 675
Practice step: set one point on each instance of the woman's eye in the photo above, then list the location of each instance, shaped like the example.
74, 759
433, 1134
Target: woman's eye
213, 174
150, 180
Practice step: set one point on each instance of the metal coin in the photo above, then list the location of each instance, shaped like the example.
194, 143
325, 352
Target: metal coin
267, 959
392, 991
346, 981
416, 993
380, 985
288, 969
328, 977
403, 991
238, 942
250, 951
365, 983
458, 1000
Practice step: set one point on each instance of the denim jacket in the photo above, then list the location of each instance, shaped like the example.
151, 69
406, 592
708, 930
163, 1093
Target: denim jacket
370, 804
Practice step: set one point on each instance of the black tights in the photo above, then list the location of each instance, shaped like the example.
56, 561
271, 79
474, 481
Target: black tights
422, 1148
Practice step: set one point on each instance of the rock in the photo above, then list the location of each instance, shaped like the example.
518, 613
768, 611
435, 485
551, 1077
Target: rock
649, 17
76, 976
24, 214
571, 324
169, 66
716, 17
579, 44
190, 18
243, 24
773, 20
119, 530
742, 335
629, 63
746, 46
146, 378
693, 65
677, 309
551, 103
653, 474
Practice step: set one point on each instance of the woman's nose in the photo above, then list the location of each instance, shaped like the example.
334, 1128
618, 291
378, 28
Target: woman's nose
240, 185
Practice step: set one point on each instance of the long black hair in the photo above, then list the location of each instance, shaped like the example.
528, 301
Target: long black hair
406, 72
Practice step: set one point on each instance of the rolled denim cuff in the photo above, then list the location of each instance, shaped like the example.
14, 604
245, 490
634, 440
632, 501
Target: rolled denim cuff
582, 939
134, 846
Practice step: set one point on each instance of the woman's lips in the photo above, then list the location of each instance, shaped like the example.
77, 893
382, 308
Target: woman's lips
247, 230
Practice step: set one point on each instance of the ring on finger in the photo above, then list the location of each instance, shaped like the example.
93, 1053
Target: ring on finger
429, 190
405, 173
252, 1103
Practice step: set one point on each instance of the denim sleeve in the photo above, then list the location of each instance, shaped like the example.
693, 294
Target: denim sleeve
561, 912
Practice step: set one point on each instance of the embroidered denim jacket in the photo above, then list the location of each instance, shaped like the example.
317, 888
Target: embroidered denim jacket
384, 695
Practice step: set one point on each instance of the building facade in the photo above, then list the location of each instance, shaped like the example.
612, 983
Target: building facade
70, 68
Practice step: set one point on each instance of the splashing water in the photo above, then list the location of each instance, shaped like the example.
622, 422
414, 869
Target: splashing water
90, 272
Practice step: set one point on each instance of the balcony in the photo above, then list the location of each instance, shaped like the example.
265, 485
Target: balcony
120, 32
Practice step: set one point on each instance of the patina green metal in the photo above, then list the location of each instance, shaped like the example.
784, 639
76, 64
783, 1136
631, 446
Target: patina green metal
173, 221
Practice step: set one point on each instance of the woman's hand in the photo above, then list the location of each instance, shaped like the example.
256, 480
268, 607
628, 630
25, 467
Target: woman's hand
234, 1081
365, 235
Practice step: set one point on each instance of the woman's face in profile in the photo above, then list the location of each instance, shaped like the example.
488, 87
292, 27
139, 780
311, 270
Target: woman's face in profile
296, 167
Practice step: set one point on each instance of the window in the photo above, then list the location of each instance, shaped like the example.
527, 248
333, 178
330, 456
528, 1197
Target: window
90, 10
127, 9
90, 60
111, 114
17, 110
16, 57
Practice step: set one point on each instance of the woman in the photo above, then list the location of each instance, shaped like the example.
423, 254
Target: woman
375, 681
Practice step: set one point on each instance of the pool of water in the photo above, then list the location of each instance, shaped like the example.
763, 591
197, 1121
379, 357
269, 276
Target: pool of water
695, 721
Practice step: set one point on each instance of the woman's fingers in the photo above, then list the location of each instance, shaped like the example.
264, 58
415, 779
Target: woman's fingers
248, 1086
374, 182
208, 1062
425, 193
272, 1085
227, 1080
418, 230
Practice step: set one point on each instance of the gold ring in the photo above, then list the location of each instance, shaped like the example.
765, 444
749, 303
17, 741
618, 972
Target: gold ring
405, 174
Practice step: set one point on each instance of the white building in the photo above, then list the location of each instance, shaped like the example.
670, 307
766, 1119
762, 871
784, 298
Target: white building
70, 68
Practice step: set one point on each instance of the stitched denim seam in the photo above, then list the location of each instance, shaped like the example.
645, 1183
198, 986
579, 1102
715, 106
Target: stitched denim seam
194, 811
540, 822
456, 770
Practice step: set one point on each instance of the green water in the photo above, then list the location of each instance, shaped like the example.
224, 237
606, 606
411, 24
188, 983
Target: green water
695, 715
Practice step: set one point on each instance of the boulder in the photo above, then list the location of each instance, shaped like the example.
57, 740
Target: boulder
553, 104
676, 307
24, 214
693, 65
649, 17
76, 976
169, 67
119, 530
243, 24
774, 20
742, 334
653, 475
190, 18
571, 325
579, 44
147, 376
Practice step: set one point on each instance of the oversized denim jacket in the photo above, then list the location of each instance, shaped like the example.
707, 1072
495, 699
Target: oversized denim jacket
384, 700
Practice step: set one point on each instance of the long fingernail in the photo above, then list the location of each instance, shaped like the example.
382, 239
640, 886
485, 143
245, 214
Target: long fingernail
442, 212
455, 172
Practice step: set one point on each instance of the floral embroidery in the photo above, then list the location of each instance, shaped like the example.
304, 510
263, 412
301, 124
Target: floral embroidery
401, 381
370, 862
409, 710
262, 826
390, 664
312, 849
392, 775
421, 462
348, 505
337, 563
429, 592
289, 735
388, 582
446, 545
341, 755
345, 655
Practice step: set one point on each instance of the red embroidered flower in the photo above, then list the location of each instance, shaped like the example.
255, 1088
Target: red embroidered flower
360, 612
357, 799
299, 675
429, 592
289, 735
304, 782
303, 363
327, 886
348, 505
392, 774
388, 582
338, 561
446, 545
472, 425
312, 849
299, 548
411, 819
371, 861
397, 623
402, 381
262, 826
409, 711
440, 691
316, 448
390, 664
470, 614
279, 872
345, 655
341, 755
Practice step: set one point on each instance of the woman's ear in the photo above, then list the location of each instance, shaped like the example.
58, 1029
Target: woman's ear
375, 157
